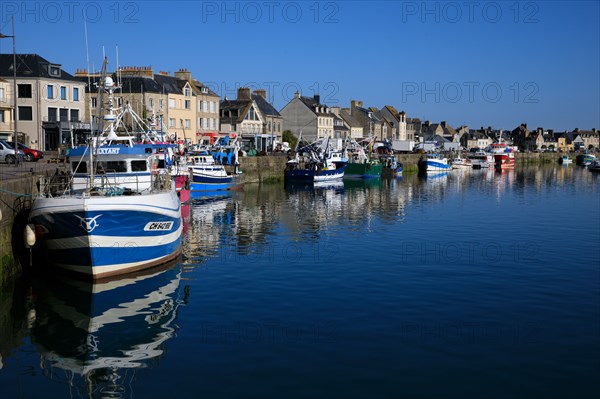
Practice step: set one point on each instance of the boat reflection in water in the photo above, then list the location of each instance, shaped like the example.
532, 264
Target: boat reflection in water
335, 185
95, 332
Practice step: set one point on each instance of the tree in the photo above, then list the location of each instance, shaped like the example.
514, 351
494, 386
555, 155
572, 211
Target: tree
290, 138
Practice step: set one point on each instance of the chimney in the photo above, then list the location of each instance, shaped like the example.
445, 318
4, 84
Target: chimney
317, 98
243, 93
335, 110
261, 92
297, 94
183, 74
443, 123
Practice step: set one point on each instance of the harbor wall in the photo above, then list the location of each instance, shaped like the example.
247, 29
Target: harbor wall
15, 200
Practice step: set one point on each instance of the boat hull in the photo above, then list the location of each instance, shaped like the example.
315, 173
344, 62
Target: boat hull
363, 170
310, 175
102, 236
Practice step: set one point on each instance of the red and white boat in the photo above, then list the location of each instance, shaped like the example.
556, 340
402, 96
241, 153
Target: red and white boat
504, 156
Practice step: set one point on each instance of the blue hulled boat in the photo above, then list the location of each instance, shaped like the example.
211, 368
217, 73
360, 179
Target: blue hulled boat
118, 212
315, 163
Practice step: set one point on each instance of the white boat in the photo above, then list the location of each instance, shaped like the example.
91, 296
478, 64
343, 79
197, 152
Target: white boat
565, 160
206, 174
461, 163
433, 163
117, 214
481, 160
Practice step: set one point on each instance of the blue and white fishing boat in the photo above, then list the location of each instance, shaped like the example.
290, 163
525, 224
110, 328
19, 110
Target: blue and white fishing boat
318, 163
207, 175
117, 213
433, 163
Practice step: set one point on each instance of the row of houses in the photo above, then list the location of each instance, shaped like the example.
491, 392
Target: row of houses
55, 108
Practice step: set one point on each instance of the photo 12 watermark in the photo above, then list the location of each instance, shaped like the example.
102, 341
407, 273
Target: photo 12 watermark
27, 12
454, 12
470, 92
253, 12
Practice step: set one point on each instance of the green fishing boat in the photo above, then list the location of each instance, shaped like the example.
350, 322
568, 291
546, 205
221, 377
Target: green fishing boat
361, 166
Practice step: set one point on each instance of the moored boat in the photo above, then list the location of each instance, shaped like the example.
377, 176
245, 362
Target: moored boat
504, 157
207, 175
585, 159
360, 165
316, 164
433, 163
116, 214
594, 166
481, 159
461, 163
565, 160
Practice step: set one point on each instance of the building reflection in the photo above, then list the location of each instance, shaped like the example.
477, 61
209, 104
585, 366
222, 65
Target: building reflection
244, 221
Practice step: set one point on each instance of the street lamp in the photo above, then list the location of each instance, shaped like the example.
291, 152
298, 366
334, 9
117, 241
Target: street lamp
2, 36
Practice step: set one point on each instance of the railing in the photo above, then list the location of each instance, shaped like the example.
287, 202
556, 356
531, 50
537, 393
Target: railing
109, 183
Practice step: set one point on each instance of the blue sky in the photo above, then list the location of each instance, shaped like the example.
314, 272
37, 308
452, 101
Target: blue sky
478, 63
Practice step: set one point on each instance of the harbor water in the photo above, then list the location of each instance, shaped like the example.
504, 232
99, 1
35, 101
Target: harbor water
476, 284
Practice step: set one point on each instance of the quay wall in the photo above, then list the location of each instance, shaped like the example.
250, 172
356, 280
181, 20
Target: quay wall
15, 200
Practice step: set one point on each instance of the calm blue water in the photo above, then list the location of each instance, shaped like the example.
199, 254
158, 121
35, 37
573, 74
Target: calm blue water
475, 284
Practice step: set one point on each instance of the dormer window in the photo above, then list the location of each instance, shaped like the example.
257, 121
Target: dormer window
54, 70
187, 92
204, 90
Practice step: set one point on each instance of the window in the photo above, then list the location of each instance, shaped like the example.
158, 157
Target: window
63, 93
64, 115
269, 126
74, 115
2, 120
187, 123
50, 92
112, 166
213, 107
160, 105
205, 123
1, 93
171, 122
53, 70
138, 166
94, 102
24, 90
205, 106
52, 114
187, 104
200, 106
151, 103
79, 167
171, 103
187, 92
213, 123
75, 93
25, 114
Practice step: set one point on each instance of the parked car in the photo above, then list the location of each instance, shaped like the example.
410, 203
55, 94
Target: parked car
8, 154
30, 154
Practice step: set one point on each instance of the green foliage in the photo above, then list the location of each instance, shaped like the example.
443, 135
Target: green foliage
290, 138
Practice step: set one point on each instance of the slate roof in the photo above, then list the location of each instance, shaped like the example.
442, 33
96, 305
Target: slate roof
349, 119
239, 109
264, 106
31, 66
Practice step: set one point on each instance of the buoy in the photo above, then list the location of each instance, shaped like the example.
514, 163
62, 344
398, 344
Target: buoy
29, 235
